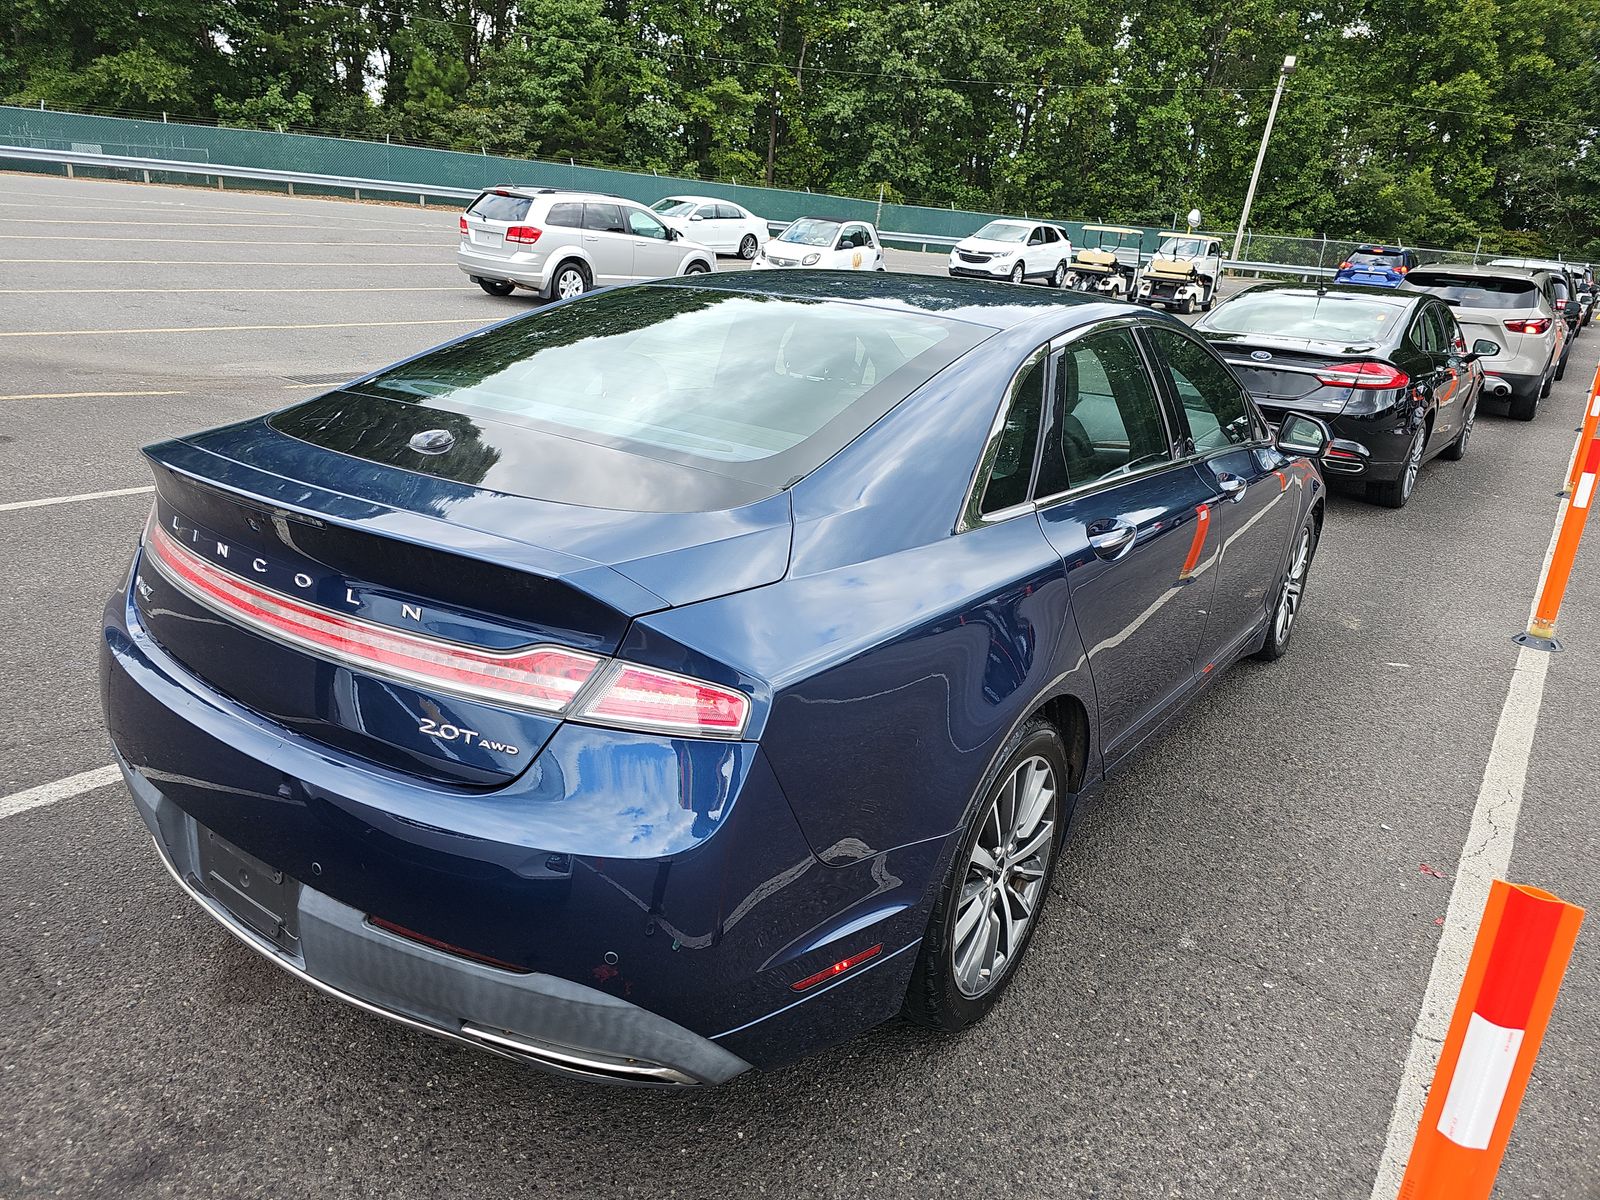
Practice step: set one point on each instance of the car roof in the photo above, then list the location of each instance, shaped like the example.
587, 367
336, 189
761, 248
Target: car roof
686, 199
1480, 270
996, 305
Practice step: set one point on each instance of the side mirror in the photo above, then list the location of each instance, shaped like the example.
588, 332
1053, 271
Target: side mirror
697, 217
1484, 348
1301, 436
674, 235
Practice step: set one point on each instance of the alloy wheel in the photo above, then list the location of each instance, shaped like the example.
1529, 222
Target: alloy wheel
1466, 428
1017, 273
1059, 279
747, 248
569, 283
1004, 883
1413, 462
1294, 586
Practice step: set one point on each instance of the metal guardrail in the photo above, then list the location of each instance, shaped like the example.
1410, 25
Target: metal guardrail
390, 187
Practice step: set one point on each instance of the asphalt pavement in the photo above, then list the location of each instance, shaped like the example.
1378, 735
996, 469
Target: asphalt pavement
1218, 1002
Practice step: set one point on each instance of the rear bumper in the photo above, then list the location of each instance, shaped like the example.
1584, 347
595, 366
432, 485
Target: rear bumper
503, 270
548, 1022
656, 944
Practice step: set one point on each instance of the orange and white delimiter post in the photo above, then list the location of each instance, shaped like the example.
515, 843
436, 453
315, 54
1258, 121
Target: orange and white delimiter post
1518, 960
1591, 419
1585, 478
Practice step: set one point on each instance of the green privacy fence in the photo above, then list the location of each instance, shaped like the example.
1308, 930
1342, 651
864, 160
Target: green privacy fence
320, 155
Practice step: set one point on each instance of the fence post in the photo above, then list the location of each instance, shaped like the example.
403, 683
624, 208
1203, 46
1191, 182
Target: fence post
70, 175
163, 116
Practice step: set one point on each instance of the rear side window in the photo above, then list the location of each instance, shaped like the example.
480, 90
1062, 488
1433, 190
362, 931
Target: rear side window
493, 207
1218, 412
1011, 468
1477, 291
603, 218
726, 212
1105, 419
566, 214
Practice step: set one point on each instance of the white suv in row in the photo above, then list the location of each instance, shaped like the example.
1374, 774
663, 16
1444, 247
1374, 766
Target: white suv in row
561, 244
1015, 250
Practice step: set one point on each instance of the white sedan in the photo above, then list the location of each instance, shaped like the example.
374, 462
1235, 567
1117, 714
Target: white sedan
826, 244
716, 224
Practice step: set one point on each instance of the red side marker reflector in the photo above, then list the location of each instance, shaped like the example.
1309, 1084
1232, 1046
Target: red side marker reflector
838, 968
411, 935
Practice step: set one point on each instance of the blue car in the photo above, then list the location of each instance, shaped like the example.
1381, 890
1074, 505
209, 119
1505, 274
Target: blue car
1377, 266
692, 675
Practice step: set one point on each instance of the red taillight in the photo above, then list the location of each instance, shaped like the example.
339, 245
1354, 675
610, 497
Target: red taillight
1528, 324
644, 698
838, 968
1335, 452
463, 223
1403, 270
1364, 375
544, 678
1344, 266
527, 234
1560, 304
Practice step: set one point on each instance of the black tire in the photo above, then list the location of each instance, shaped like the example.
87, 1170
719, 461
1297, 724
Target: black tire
1211, 298
748, 247
936, 997
1058, 280
497, 287
1561, 367
1018, 274
1291, 590
697, 268
1394, 493
560, 282
1457, 450
1549, 382
1188, 307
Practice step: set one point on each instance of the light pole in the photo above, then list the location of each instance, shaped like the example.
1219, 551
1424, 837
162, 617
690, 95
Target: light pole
1272, 114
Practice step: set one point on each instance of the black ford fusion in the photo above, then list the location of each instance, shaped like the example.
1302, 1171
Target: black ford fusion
1388, 371
694, 674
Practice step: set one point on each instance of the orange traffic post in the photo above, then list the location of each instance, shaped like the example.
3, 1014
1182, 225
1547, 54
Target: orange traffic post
1591, 419
1521, 954
1541, 633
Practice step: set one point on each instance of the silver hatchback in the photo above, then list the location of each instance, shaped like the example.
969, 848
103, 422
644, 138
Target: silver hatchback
560, 244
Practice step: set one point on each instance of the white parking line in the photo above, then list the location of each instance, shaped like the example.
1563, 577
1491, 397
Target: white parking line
49, 500
391, 244
216, 262
61, 789
216, 290
83, 395
1484, 858
26, 333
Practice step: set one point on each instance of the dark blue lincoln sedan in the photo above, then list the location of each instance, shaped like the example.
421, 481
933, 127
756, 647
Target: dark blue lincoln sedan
694, 674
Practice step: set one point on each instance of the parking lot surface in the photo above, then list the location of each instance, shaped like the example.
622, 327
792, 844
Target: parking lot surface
1219, 1001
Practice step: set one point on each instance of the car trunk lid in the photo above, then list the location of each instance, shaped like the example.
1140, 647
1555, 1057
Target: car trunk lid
1283, 372
253, 528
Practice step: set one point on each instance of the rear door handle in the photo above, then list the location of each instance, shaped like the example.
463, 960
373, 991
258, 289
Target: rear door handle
1232, 487
591, 237
1110, 539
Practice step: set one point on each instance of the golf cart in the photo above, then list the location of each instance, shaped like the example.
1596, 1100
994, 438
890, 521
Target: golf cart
1107, 262
1184, 272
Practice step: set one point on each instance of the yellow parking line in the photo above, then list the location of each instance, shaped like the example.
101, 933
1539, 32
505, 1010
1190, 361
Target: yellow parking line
25, 333
228, 290
83, 395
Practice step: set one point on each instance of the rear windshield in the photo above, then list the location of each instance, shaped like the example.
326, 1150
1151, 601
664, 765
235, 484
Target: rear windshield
1368, 258
1004, 231
492, 207
1477, 291
762, 388
807, 232
1336, 317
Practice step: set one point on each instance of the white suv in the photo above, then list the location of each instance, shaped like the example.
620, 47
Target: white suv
561, 244
1015, 250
